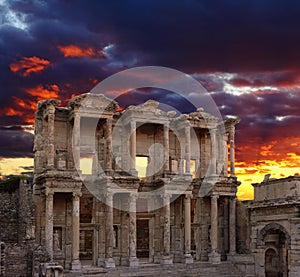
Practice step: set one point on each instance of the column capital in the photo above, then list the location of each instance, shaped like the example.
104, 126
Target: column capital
49, 194
109, 194
188, 196
76, 194
214, 196
133, 195
166, 196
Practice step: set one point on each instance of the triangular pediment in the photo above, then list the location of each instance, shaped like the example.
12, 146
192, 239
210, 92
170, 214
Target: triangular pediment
94, 102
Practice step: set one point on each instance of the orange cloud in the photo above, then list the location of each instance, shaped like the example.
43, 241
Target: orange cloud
11, 112
27, 65
77, 51
44, 92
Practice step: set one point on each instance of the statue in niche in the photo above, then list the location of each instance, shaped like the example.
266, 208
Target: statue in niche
56, 243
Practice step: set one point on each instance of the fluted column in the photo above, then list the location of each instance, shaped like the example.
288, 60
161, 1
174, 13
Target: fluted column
109, 230
133, 145
187, 149
109, 144
166, 259
232, 224
133, 261
75, 265
51, 115
167, 146
187, 230
214, 255
49, 224
213, 159
232, 150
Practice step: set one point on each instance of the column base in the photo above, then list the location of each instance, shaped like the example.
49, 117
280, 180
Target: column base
75, 265
100, 262
133, 262
109, 263
230, 256
133, 172
214, 257
166, 260
188, 259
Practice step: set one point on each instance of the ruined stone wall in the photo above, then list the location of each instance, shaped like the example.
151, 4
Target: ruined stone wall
9, 216
17, 229
242, 228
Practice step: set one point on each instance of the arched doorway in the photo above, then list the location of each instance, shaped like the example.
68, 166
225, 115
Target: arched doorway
272, 268
276, 241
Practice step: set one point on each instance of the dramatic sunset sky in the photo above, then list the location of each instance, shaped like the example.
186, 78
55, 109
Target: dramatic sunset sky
245, 53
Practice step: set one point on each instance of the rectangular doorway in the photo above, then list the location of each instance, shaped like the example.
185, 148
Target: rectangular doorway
86, 244
142, 238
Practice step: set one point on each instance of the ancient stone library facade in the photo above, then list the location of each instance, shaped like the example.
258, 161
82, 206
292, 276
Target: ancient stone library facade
123, 188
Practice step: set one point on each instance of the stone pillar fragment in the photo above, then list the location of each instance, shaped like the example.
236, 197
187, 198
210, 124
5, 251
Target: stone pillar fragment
109, 144
225, 140
51, 115
166, 259
75, 264
167, 146
188, 259
133, 145
76, 141
109, 230
187, 149
133, 261
49, 224
214, 256
232, 151
213, 159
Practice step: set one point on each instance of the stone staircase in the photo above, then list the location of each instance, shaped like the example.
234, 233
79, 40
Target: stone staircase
199, 269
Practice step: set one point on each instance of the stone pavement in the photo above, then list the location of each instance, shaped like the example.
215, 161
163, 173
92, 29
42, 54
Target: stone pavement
199, 269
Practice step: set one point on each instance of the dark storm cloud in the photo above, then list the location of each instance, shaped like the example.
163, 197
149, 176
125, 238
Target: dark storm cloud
188, 35
15, 143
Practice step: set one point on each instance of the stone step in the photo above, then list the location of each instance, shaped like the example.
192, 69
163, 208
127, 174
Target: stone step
199, 269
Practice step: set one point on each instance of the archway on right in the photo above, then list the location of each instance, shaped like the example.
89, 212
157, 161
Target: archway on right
276, 253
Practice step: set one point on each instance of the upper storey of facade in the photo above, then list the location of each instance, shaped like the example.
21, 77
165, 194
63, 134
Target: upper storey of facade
95, 136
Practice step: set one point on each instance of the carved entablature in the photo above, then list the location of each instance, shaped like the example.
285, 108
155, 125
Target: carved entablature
147, 112
201, 119
90, 101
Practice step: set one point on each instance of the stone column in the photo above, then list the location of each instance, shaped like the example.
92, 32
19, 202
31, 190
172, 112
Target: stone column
214, 256
188, 259
76, 141
167, 146
225, 140
232, 225
232, 154
109, 231
95, 168
109, 144
133, 145
49, 224
133, 261
166, 259
75, 264
187, 132
213, 158
50, 154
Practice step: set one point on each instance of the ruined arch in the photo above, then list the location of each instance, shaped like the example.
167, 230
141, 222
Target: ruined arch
269, 227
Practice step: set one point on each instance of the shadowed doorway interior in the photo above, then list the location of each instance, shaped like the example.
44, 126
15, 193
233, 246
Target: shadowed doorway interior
143, 238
